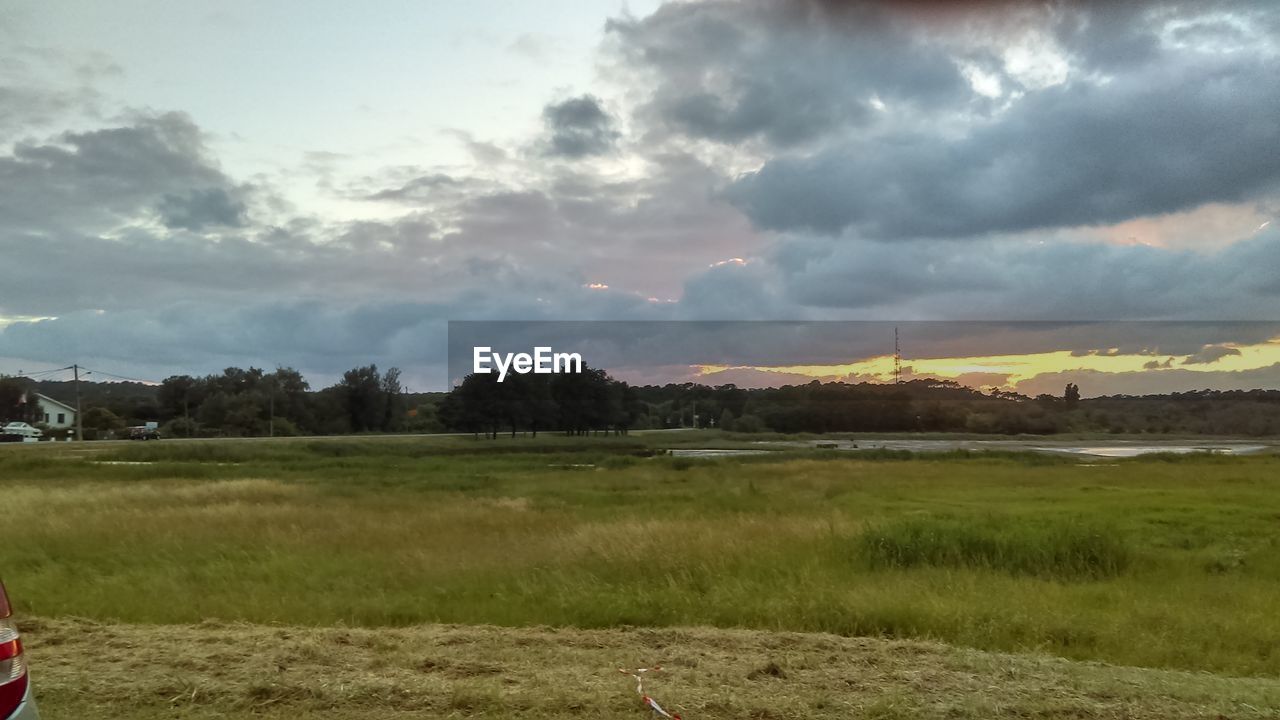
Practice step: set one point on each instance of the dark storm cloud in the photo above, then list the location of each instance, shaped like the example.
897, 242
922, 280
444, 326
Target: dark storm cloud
175, 264
781, 72
1112, 36
1167, 139
867, 119
1009, 279
579, 127
114, 175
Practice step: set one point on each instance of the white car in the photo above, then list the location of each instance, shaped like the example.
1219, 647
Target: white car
16, 702
22, 430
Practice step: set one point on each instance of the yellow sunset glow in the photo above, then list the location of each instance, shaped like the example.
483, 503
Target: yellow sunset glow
1019, 368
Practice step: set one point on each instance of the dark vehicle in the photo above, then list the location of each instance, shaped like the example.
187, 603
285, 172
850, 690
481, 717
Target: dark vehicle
15, 689
142, 432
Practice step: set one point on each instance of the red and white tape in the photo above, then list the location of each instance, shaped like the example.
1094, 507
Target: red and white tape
648, 702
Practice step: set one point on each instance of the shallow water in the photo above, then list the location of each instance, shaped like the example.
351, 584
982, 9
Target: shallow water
1111, 450
1119, 451
714, 453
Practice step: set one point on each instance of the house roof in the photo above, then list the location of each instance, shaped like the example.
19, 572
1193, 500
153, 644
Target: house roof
48, 399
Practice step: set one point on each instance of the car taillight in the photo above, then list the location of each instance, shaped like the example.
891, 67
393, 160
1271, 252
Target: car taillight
13, 668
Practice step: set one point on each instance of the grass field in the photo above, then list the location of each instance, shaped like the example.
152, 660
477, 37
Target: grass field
218, 670
1159, 562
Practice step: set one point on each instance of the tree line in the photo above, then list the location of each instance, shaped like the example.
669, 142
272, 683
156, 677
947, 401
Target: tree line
237, 402
573, 403
254, 402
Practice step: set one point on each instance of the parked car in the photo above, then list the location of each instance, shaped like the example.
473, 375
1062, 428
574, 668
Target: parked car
21, 430
16, 702
142, 432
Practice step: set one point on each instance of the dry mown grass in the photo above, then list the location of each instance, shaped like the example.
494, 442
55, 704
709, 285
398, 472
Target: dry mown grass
90, 669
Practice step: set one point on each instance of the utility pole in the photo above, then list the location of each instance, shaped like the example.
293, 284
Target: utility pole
75, 369
271, 411
897, 359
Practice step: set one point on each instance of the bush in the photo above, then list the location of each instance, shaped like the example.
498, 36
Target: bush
1062, 549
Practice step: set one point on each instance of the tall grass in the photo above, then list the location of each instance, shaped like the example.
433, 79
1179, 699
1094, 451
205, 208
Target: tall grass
984, 551
1068, 549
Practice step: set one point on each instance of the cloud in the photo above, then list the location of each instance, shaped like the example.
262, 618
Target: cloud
484, 153
1093, 383
418, 189
798, 136
909, 120
1011, 278
784, 73
1169, 138
199, 209
537, 47
1210, 354
578, 127
117, 175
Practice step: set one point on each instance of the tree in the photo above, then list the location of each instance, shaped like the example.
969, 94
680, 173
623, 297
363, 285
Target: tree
1072, 396
17, 401
363, 398
179, 396
393, 402
540, 405
246, 415
290, 391
726, 419
99, 420
479, 408
213, 411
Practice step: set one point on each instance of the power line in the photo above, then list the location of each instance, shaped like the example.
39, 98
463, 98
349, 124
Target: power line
38, 373
118, 377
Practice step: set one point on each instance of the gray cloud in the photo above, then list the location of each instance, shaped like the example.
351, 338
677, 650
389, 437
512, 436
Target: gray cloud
1011, 279
1166, 139
865, 117
485, 153
1210, 354
1094, 383
199, 209
418, 189
579, 127
784, 72
102, 178
177, 267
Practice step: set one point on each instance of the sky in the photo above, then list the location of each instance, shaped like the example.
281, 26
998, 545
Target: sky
188, 186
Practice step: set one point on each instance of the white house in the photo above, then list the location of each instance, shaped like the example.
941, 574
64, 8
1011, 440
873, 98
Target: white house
57, 415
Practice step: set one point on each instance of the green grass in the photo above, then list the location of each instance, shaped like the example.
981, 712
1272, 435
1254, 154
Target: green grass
1168, 563
1064, 549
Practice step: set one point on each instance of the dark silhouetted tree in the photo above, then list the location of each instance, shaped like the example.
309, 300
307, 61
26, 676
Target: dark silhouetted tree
1072, 396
